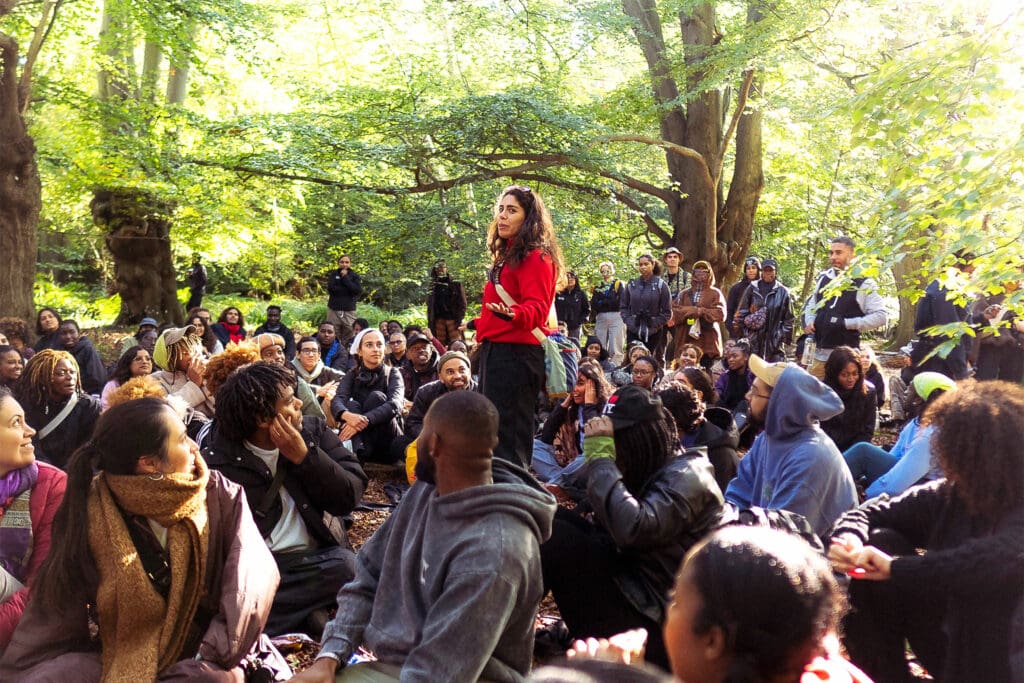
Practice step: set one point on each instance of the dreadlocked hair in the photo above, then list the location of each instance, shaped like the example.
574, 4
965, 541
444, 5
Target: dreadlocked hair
250, 396
34, 384
190, 343
643, 448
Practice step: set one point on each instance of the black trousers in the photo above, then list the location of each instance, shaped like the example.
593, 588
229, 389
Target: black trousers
882, 619
655, 342
374, 444
580, 562
511, 376
310, 581
1000, 362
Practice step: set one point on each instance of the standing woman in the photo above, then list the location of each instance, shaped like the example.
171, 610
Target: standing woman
29, 495
47, 330
572, 306
230, 326
55, 405
700, 309
160, 553
646, 305
446, 305
518, 299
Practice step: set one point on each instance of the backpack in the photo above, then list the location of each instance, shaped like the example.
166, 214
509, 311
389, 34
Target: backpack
561, 364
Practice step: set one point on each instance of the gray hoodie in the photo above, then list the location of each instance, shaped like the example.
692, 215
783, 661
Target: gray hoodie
448, 587
793, 465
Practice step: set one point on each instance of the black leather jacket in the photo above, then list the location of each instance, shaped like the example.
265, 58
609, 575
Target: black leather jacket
678, 506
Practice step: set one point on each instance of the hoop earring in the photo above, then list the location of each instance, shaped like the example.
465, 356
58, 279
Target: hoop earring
160, 475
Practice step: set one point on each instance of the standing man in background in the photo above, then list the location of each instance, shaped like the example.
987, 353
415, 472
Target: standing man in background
344, 288
677, 280
196, 283
840, 319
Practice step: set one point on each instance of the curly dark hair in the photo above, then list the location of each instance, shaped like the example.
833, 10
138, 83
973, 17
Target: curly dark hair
700, 380
977, 440
223, 317
536, 232
16, 328
250, 396
220, 367
840, 357
684, 405
771, 594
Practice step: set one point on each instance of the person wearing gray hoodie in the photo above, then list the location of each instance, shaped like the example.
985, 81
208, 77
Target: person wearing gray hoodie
793, 465
448, 588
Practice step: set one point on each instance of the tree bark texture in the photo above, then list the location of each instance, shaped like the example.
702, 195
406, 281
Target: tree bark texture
138, 228
703, 225
20, 192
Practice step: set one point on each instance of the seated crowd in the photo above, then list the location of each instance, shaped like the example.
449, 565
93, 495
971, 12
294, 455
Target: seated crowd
163, 519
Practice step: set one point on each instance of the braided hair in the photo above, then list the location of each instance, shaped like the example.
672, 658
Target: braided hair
643, 448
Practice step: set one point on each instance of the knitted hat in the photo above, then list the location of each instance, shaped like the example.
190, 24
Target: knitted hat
266, 339
449, 355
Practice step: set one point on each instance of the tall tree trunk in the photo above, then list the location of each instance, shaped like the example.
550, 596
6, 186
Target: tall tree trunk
906, 272
138, 230
20, 191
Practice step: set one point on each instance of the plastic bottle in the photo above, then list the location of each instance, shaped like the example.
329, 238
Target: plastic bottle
808, 356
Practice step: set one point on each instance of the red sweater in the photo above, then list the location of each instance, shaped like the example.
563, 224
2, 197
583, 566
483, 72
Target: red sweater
532, 285
42, 504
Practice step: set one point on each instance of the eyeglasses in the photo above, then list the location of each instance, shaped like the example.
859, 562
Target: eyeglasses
764, 396
397, 342
309, 350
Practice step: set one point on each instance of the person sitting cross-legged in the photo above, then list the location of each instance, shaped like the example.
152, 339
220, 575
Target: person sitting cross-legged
651, 502
793, 465
448, 588
293, 470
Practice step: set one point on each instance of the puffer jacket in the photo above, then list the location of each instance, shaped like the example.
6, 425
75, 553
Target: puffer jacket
718, 434
677, 507
645, 304
359, 383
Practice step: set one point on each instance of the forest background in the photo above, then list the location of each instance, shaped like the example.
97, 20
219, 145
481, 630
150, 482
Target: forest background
270, 136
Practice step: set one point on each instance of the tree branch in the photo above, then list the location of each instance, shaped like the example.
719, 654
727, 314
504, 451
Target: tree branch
741, 103
47, 17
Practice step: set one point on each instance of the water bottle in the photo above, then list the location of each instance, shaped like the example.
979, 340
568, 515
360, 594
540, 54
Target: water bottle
808, 356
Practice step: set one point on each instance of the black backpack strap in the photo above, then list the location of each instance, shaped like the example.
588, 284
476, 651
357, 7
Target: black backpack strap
270, 496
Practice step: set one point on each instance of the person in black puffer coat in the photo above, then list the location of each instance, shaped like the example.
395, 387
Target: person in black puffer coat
370, 398
572, 306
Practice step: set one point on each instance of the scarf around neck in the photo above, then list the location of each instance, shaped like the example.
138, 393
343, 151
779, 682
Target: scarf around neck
15, 521
235, 332
308, 376
141, 633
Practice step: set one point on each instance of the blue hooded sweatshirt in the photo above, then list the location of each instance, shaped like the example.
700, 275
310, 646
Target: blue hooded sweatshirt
793, 465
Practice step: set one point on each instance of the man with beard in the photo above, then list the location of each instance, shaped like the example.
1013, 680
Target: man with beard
456, 565
422, 366
793, 465
293, 469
